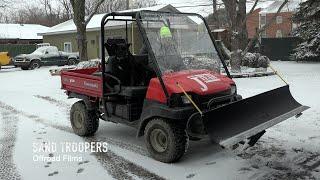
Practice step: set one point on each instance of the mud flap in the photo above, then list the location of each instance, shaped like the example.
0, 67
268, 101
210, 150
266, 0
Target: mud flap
230, 124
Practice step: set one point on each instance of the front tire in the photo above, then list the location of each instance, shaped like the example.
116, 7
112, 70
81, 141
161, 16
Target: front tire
34, 65
166, 141
83, 121
24, 68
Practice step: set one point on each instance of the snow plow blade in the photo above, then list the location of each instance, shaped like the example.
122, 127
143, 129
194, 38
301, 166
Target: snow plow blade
238, 121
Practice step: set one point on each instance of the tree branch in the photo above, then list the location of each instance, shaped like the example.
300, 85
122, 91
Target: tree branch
264, 28
250, 12
94, 11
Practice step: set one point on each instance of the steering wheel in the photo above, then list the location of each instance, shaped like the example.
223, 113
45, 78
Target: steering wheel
113, 90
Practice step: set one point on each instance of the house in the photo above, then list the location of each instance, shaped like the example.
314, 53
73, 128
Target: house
21, 33
64, 35
281, 27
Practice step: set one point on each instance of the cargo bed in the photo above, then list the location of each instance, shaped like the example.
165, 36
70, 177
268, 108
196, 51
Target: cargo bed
82, 81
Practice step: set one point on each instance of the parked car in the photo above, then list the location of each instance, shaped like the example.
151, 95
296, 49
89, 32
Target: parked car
45, 56
5, 59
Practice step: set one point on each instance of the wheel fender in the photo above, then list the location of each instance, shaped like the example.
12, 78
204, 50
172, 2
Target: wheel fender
73, 57
89, 104
39, 60
142, 126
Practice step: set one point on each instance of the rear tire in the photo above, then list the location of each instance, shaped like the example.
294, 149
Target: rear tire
83, 121
166, 141
72, 62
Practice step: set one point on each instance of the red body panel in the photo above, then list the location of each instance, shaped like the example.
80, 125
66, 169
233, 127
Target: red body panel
82, 81
201, 82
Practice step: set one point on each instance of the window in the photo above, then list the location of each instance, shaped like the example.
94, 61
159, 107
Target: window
52, 51
279, 34
264, 34
294, 26
67, 47
263, 20
279, 19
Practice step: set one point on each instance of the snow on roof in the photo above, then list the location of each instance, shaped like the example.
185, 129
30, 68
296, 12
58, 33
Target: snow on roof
94, 24
260, 4
291, 6
21, 31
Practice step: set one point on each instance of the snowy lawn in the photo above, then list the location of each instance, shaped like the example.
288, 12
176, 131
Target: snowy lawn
33, 109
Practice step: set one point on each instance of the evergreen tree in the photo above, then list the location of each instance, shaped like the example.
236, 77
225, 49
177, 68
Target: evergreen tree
308, 19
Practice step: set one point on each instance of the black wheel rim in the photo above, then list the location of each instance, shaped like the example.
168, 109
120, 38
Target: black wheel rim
35, 65
78, 119
159, 140
72, 62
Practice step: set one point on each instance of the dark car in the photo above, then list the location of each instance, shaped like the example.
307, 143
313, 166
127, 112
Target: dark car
45, 56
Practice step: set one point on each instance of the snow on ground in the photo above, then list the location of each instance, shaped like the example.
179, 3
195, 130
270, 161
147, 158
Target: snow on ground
33, 109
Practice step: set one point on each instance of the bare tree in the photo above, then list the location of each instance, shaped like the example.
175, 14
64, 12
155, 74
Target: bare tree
237, 17
4, 3
236, 11
81, 22
67, 9
263, 28
144, 3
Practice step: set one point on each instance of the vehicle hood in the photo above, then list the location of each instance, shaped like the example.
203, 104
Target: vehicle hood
201, 82
29, 56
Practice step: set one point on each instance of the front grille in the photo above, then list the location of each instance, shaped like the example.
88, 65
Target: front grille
203, 101
19, 60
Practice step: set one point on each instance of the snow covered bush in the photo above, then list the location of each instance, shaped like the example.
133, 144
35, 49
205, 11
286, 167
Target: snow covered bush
308, 16
255, 60
248, 59
263, 61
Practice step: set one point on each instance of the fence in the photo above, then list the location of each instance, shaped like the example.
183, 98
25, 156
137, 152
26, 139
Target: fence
279, 48
15, 49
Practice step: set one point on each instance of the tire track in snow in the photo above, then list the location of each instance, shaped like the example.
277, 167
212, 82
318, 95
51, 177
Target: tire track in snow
282, 163
66, 107
9, 121
117, 166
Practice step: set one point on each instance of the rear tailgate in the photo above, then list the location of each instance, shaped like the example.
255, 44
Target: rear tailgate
82, 81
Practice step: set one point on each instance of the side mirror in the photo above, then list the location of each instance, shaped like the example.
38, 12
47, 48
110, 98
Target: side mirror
46, 52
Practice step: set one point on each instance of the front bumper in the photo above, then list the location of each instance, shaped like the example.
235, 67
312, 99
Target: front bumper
21, 63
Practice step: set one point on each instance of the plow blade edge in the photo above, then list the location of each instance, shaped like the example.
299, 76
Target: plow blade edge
230, 124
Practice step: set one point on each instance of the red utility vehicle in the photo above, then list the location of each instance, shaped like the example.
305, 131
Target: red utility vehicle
173, 90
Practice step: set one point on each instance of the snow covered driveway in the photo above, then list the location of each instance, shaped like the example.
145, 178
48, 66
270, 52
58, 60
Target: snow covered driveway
33, 109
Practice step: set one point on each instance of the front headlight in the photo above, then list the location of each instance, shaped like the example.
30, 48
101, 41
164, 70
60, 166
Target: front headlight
233, 89
185, 99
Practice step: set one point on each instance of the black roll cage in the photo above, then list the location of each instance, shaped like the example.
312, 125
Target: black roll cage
137, 18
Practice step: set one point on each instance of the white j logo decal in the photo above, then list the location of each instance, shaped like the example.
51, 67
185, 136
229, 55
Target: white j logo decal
203, 79
204, 87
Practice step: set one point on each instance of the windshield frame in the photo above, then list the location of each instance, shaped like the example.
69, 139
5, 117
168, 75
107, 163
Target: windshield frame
152, 56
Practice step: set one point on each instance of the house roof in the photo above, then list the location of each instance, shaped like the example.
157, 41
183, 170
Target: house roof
291, 6
94, 24
260, 4
21, 31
